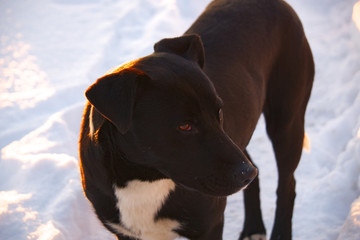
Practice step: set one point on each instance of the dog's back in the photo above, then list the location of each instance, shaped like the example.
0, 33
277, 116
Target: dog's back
247, 44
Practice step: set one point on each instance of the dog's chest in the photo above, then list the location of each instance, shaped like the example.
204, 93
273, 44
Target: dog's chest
138, 203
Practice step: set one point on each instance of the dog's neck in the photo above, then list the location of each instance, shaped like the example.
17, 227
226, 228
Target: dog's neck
121, 167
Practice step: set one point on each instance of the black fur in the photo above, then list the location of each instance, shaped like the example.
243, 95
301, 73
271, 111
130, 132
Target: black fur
243, 57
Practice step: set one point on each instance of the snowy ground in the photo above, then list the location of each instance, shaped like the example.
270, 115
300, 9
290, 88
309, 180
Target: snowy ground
51, 50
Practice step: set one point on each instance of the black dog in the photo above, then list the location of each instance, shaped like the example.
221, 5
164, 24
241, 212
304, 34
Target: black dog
164, 138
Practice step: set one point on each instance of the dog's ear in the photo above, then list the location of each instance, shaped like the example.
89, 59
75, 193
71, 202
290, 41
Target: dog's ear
188, 46
114, 96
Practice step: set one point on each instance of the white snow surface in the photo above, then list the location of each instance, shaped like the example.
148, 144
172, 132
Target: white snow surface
52, 50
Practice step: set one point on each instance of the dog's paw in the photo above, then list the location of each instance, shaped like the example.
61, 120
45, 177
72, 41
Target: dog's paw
256, 237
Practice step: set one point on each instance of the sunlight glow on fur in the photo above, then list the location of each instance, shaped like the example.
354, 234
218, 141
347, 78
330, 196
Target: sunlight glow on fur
306, 144
356, 14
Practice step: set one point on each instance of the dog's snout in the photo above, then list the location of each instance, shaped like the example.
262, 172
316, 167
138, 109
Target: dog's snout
243, 171
249, 174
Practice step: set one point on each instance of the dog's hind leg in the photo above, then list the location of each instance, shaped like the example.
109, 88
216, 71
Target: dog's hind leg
287, 146
287, 143
253, 225
287, 96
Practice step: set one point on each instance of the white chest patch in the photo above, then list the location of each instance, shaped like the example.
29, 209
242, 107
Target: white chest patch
139, 202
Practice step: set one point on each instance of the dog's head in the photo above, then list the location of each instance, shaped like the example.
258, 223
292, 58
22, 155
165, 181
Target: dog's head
168, 111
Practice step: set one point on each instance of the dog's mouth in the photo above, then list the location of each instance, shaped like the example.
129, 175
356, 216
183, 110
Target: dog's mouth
220, 177
215, 186
220, 184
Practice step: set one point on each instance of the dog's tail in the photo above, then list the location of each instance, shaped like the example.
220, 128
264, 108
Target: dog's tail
306, 143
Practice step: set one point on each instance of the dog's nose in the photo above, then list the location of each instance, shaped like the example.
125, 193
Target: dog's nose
247, 174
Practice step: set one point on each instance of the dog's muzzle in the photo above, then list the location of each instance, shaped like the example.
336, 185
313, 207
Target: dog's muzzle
227, 184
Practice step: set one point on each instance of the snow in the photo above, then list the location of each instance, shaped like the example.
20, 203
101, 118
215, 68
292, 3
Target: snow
52, 50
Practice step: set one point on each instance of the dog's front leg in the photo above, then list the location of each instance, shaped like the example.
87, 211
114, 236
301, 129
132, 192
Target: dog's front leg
254, 228
122, 237
214, 233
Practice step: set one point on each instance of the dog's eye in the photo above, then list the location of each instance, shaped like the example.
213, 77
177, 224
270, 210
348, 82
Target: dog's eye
185, 127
